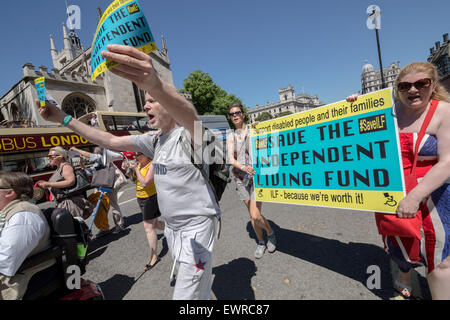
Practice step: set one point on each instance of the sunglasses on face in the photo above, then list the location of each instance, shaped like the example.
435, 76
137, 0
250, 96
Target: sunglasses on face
419, 84
5, 188
51, 156
237, 113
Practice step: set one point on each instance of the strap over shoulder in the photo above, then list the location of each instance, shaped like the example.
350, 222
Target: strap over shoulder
423, 129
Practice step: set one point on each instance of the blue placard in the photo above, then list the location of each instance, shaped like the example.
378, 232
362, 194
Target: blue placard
39, 83
122, 23
341, 155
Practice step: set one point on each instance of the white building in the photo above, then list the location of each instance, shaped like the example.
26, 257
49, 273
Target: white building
289, 102
371, 78
440, 57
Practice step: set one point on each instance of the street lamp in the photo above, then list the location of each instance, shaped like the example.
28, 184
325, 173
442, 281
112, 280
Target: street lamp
374, 22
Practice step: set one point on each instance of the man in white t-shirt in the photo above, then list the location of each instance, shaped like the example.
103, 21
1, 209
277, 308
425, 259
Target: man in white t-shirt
186, 201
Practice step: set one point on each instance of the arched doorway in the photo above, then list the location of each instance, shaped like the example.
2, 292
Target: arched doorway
78, 104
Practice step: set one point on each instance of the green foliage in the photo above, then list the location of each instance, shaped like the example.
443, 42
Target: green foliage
282, 114
202, 89
264, 116
207, 97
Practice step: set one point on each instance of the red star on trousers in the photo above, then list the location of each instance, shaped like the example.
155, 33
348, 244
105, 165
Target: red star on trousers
200, 265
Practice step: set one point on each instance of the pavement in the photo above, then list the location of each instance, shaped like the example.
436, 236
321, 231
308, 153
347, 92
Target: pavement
322, 254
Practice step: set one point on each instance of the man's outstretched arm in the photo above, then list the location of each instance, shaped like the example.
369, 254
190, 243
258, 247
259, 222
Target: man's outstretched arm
104, 139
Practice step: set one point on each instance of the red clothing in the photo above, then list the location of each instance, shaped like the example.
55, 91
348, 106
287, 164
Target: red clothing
407, 141
432, 249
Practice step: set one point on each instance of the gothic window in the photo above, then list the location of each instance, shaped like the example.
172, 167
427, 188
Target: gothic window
78, 104
285, 97
14, 112
139, 96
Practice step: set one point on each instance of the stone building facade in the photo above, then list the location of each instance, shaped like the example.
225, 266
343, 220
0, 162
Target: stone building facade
440, 57
289, 101
371, 78
69, 82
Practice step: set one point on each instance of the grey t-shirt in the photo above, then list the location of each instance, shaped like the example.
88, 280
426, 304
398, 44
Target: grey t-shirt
184, 197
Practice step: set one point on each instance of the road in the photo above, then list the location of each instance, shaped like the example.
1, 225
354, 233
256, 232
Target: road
322, 254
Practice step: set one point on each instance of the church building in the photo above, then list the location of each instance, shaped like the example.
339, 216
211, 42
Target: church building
69, 82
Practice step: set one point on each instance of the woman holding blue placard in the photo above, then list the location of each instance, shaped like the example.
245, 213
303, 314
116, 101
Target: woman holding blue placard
422, 109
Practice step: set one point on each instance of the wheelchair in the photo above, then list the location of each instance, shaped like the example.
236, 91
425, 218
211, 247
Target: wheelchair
69, 241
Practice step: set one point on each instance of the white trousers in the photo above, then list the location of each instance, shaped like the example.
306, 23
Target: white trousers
192, 248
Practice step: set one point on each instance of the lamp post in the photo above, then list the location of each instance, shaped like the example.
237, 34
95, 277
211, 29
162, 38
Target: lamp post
375, 16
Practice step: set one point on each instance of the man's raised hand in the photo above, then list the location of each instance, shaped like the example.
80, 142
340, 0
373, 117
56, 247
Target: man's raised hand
135, 66
50, 112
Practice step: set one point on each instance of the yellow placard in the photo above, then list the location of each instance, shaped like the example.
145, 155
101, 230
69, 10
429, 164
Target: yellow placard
342, 155
380, 201
370, 102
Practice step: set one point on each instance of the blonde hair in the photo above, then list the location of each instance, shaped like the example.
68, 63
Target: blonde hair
439, 92
61, 152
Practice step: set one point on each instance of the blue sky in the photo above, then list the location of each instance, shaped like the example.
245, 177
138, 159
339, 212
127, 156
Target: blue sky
250, 48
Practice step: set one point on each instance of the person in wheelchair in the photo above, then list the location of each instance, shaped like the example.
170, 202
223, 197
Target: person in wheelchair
62, 181
24, 232
43, 254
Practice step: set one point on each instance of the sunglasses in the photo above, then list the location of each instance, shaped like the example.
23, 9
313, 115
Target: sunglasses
6, 188
237, 113
419, 84
51, 156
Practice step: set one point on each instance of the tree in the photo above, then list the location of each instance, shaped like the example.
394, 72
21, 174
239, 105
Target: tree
207, 97
282, 114
264, 116
202, 89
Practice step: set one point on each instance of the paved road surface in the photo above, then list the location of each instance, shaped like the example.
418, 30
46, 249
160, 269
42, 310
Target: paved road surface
322, 254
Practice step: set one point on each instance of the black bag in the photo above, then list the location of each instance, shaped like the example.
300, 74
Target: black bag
104, 177
217, 173
82, 184
219, 177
